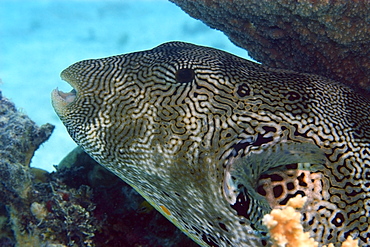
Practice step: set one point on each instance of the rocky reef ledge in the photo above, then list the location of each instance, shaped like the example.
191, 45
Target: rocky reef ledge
81, 204
328, 38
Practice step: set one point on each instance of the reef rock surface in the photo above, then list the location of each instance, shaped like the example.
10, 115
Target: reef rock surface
329, 38
79, 205
19, 138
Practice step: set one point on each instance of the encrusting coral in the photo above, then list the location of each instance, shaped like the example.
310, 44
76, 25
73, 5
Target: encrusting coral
286, 229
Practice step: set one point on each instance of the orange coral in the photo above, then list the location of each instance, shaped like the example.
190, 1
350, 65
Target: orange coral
285, 225
286, 229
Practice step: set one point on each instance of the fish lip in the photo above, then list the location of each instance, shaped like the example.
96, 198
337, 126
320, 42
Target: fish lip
66, 97
61, 100
68, 77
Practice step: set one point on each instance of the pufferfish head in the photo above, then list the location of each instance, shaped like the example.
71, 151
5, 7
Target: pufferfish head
167, 91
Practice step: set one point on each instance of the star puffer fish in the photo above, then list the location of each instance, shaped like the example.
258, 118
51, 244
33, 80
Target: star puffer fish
214, 141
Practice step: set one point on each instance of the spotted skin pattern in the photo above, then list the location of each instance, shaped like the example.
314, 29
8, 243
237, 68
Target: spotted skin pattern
168, 121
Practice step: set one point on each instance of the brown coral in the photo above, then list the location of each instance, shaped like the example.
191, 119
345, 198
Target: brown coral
329, 38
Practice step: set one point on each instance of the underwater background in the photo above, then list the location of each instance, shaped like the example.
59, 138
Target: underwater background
40, 38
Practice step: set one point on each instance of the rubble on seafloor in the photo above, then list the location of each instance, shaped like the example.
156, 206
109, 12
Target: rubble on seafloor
328, 38
81, 204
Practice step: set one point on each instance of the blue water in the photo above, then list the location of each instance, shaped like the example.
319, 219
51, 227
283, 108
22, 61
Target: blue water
38, 39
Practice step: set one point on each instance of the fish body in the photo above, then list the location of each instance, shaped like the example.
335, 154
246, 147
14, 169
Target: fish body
214, 141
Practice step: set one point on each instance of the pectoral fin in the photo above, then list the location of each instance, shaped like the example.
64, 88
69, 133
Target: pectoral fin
242, 173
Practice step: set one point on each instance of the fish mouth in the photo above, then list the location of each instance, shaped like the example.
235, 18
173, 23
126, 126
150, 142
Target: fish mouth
61, 100
66, 97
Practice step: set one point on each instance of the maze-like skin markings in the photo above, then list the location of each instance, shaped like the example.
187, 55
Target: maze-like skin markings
172, 120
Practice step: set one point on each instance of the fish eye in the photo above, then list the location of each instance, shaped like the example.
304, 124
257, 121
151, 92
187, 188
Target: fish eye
293, 96
243, 90
184, 75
